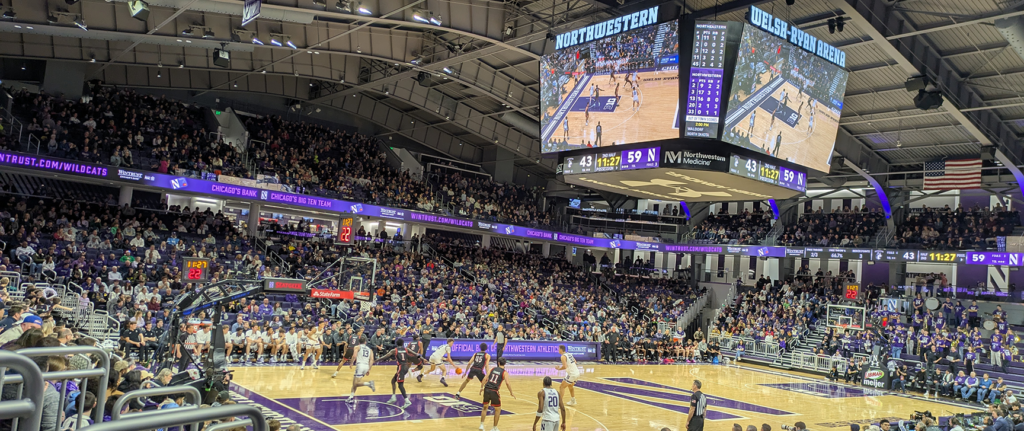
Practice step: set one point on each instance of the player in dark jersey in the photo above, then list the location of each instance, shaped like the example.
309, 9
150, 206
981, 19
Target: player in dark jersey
475, 368
405, 360
491, 390
419, 348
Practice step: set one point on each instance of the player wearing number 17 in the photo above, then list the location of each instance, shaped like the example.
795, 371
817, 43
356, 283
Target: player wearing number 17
550, 409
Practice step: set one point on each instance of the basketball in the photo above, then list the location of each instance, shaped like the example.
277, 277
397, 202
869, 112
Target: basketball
458, 370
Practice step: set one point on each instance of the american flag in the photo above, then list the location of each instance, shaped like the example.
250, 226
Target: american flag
952, 174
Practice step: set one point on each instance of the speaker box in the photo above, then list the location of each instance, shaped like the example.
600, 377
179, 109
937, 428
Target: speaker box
221, 58
139, 10
927, 100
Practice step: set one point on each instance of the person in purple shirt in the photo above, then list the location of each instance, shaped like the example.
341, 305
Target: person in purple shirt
972, 312
958, 312
1006, 359
958, 383
265, 308
970, 387
924, 341
897, 343
939, 323
947, 310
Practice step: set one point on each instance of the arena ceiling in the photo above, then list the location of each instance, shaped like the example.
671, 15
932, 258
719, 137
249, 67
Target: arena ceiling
470, 83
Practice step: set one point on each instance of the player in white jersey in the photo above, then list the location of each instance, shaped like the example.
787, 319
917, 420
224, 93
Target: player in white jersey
437, 360
264, 342
362, 358
313, 346
572, 375
276, 343
291, 344
636, 100
550, 410
237, 340
253, 341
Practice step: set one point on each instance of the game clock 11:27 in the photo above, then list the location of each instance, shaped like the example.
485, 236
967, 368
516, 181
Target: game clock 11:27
196, 270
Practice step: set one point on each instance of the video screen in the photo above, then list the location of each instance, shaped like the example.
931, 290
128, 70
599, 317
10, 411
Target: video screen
618, 90
784, 101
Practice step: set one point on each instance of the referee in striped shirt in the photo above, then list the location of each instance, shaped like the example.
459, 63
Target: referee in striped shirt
698, 405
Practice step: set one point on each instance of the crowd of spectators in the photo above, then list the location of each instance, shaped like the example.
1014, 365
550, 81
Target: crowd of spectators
118, 127
848, 228
747, 228
963, 228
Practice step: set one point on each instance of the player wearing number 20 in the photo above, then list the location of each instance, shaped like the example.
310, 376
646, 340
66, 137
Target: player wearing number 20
550, 409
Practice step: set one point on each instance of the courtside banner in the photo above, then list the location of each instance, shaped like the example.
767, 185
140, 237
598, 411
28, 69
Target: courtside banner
876, 377
339, 294
518, 350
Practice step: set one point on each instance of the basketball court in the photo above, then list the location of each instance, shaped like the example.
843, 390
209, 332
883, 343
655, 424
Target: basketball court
763, 134
610, 397
656, 118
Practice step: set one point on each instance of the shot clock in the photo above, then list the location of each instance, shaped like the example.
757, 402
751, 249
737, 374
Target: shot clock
196, 270
852, 291
345, 233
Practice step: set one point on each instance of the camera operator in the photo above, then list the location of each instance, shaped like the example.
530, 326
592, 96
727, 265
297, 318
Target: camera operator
955, 425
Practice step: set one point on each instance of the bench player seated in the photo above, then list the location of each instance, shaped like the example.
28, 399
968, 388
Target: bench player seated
235, 342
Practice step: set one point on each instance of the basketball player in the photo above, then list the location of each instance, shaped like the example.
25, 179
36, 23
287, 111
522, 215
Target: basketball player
313, 346
437, 361
363, 361
565, 129
264, 342
586, 116
778, 144
492, 395
227, 341
550, 410
636, 100
405, 360
253, 341
350, 343
475, 368
617, 97
611, 76
752, 115
572, 375
593, 87
783, 98
636, 81
291, 343
420, 349
238, 341
277, 344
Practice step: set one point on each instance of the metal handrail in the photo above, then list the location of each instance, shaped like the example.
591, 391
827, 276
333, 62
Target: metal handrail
101, 371
174, 417
31, 407
238, 423
192, 397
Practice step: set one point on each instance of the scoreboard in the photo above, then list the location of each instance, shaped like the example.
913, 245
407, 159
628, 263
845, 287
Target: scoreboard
642, 158
768, 173
707, 74
196, 270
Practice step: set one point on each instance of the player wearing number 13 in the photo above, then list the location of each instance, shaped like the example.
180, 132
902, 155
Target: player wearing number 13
550, 409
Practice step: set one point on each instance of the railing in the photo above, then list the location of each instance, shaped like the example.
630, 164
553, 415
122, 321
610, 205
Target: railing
884, 237
692, 312
173, 417
64, 376
15, 126
822, 364
750, 345
772, 237
37, 144
29, 408
191, 396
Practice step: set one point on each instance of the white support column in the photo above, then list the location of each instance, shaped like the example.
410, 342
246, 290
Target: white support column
254, 217
125, 197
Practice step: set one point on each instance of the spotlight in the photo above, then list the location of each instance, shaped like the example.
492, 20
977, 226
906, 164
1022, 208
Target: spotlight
448, 70
387, 90
9, 14
159, 64
188, 32
291, 44
509, 31
236, 84
22, 66
363, 9
208, 34
321, 3
81, 24
359, 50
275, 42
52, 19
839, 23
256, 41
159, 75
436, 20
181, 65
344, 6
416, 61
831, 26
264, 71
92, 60
420, 15
235, 37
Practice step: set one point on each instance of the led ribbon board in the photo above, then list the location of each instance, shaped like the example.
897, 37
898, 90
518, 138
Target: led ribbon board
611, 27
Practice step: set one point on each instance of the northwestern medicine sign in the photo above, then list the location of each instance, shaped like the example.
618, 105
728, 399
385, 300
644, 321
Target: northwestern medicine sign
611, 27
765, 21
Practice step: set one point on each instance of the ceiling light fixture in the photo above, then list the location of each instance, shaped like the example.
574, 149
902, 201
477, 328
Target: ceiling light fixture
81, 24
9, 14
344, 6
275, 42
291, 44
208, 34
188, 32
321, 3
363, 9
256, 41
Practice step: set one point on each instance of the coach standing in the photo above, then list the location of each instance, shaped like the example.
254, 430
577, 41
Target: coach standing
499, 341
597, 139
698, 405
